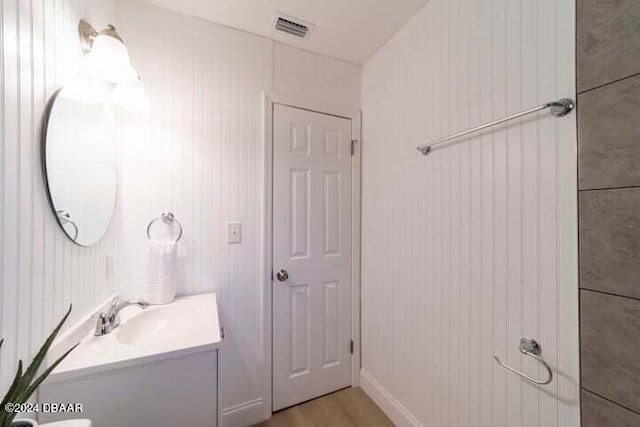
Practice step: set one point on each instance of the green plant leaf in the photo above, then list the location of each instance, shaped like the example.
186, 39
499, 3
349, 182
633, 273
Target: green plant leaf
14, 385
10, 394
23, 386
33, 368
27, 393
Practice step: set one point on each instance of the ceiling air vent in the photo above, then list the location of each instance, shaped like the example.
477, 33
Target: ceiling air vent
294, 26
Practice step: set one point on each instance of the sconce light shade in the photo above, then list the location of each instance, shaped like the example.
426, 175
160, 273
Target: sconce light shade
88, 90
130, 97
111, 76
109, 60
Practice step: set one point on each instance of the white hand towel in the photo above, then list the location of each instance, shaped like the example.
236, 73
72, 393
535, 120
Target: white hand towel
161, 272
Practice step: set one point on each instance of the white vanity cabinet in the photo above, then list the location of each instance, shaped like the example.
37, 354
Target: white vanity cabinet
177, 391
166, 380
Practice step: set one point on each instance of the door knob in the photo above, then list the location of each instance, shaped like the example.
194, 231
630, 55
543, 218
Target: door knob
282, 275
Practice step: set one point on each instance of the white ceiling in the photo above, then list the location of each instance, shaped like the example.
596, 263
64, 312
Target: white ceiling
347, 29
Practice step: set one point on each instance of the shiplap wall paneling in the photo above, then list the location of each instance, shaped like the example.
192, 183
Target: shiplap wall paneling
474, 246
42, 272
199, 153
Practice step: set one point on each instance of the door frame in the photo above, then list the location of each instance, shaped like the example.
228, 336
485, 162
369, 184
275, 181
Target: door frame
270, 99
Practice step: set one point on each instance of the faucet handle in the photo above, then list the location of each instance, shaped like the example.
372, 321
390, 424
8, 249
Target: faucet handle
102, 319
101, 325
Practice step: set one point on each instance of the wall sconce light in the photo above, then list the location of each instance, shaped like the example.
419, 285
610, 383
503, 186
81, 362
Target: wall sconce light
106, 59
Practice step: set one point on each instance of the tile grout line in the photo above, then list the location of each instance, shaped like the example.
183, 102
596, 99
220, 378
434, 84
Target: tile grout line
610, 401
610, 294
626, 187
600, 86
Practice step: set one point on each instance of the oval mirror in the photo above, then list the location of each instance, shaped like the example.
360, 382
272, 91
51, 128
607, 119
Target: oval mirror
81, 170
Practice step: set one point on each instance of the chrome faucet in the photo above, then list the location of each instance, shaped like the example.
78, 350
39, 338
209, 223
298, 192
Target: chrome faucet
110, 320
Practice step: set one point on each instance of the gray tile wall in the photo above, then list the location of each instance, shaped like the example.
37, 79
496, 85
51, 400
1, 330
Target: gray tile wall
610, 350
598, 412
610, 241
609, 122
608, 49
608, 44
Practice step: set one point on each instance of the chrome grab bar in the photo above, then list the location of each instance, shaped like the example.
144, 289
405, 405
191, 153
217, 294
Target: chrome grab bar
530, 348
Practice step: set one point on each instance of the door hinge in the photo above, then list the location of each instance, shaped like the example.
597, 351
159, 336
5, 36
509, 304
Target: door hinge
353, 146
351, 347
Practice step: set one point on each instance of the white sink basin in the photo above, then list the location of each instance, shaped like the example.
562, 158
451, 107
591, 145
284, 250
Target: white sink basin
168, 323
158, 329
187, 325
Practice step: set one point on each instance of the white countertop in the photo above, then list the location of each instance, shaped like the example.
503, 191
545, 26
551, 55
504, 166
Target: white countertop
187, 325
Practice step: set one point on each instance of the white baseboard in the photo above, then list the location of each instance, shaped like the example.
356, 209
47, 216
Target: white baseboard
389, 405
242, 415
253, 411
245, 414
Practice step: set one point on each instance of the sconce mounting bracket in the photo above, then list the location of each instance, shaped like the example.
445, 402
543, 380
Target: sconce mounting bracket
88, 34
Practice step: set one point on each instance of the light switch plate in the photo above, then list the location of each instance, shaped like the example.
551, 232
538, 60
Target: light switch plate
234, 232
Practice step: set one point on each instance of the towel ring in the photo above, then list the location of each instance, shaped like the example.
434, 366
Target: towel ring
168, 218
530, 348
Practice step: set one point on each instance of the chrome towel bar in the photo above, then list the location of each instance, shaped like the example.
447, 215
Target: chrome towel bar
558, 108
530, 348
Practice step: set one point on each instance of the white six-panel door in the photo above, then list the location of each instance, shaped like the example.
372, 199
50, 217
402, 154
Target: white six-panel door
311, 255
